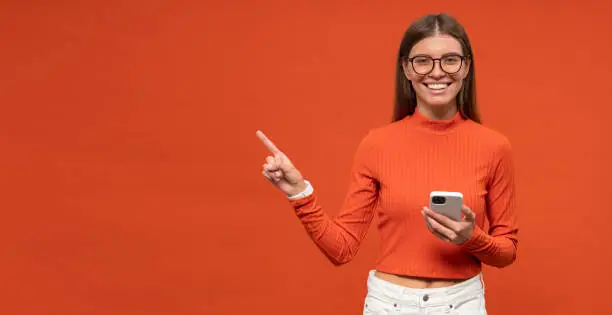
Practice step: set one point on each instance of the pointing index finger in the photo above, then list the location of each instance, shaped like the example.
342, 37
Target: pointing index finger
267, 142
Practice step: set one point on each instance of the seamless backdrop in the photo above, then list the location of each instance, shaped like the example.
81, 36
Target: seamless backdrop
130, 178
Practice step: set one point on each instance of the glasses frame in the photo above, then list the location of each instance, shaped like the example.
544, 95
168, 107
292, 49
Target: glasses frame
433, 65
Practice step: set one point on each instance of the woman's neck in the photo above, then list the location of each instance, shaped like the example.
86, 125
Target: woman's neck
438, 112
438, 121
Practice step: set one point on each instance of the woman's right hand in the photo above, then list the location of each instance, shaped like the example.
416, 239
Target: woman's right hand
279, 170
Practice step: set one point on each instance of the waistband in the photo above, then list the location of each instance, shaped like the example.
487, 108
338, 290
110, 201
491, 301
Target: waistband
465, 290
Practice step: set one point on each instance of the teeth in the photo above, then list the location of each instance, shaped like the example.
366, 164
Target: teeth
437, 86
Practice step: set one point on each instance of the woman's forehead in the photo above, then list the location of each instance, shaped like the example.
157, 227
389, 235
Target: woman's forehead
437, 46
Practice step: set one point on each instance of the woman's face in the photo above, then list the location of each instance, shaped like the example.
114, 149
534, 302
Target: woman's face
436, 81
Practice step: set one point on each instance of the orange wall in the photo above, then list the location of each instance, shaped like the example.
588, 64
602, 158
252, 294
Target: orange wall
131, 172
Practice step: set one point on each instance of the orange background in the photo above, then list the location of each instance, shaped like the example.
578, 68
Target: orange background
131, 176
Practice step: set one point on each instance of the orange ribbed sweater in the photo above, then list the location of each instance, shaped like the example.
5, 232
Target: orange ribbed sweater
395, 168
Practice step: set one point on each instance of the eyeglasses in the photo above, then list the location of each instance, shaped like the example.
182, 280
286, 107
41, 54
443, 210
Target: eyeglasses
423, 64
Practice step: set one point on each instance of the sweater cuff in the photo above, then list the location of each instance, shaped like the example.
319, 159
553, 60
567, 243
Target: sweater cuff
477, 240
307, 192
301, 202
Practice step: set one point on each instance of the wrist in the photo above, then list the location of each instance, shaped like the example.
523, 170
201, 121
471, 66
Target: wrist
474, 239
304, 189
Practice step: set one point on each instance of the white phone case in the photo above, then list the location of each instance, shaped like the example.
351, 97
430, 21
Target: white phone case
447, 203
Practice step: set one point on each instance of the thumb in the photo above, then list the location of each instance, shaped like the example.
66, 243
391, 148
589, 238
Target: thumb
470, 216
292, 175
283, 162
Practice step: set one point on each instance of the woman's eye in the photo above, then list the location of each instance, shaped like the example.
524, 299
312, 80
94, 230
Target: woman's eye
452, 60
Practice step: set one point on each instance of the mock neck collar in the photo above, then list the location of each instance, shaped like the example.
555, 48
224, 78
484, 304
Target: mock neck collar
434, 125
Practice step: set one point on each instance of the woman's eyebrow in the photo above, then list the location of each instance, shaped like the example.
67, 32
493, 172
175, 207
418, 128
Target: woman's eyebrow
453, 53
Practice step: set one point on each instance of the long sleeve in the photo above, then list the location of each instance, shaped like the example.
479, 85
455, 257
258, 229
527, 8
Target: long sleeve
498, 247
339, 237
394, 169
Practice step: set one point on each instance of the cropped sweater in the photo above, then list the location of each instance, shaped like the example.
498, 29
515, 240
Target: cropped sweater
394, 169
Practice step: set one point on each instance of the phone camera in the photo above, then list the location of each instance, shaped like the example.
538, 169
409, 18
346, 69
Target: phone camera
438, 200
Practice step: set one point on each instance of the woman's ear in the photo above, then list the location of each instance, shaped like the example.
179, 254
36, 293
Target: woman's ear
407, 72
468, 65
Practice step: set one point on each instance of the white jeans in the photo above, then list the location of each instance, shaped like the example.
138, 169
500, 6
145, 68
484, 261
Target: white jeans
385, 298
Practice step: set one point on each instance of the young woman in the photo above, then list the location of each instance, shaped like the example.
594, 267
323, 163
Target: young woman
427, 263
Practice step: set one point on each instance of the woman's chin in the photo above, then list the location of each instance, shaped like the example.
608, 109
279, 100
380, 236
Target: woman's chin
439, 102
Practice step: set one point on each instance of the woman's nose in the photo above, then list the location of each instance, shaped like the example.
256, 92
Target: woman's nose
437, 71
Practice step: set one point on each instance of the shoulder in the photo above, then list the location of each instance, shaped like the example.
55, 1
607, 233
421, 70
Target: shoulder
378, 138
384, 132
489, 139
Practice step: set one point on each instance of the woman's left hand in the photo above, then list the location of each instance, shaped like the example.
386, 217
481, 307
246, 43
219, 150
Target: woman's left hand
447, 229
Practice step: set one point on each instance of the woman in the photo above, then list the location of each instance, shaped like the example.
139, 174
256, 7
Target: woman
427, 263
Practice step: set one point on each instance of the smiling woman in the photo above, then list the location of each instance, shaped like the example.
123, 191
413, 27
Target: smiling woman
427, 262
445, 88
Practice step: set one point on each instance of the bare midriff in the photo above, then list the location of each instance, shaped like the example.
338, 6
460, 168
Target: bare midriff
416, 282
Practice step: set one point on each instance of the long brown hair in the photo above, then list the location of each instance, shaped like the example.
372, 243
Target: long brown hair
429, 25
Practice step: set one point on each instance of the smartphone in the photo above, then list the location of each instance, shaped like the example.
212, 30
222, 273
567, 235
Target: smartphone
447, 203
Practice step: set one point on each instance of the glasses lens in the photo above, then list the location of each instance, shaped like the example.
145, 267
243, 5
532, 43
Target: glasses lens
451, 64
422, 65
